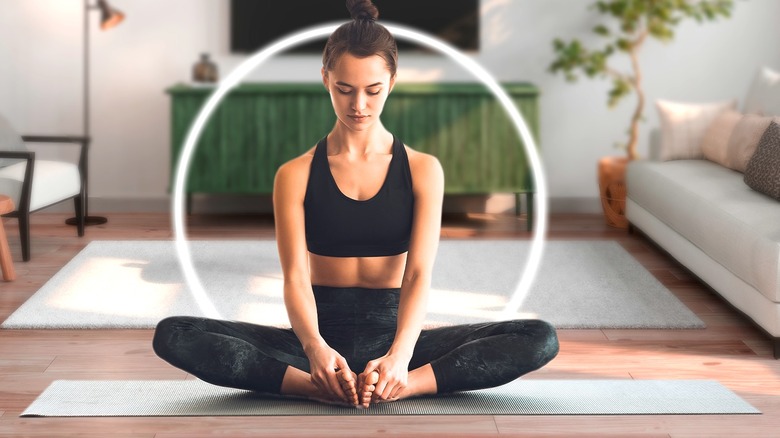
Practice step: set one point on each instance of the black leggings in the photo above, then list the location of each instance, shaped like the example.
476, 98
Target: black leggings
360, 324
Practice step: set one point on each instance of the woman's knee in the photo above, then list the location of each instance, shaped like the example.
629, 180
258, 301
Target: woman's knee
548, 338
537, 334
538, 328
167, 332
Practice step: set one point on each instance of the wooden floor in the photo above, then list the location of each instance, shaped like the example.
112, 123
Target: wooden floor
729, 350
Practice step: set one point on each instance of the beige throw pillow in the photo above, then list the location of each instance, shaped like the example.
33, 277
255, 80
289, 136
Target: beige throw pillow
683, 126
744, 139
715, 142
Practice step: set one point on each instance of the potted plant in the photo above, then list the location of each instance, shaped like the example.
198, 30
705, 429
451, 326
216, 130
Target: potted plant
634, 21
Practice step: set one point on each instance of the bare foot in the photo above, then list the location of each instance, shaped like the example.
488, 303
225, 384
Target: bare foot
369, 385
421, 381
347, 380
298, 383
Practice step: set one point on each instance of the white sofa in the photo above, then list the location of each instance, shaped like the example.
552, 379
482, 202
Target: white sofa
714, 224
708, 219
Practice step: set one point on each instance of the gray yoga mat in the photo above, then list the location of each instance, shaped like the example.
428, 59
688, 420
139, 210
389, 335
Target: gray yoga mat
135, 284
76, 398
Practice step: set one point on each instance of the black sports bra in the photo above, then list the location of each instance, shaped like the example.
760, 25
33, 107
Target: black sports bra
339, 226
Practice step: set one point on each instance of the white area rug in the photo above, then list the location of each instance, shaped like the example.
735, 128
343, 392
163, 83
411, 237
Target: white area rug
68, 398
134, 284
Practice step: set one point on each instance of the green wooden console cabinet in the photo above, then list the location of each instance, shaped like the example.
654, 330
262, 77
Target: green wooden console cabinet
259, 126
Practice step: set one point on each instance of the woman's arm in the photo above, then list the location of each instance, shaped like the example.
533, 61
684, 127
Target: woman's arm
288, 194
428, 178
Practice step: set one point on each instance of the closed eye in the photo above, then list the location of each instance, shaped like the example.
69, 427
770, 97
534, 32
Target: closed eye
349, 92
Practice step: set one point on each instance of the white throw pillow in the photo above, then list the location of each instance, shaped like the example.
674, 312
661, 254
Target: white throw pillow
763, 97
683, 125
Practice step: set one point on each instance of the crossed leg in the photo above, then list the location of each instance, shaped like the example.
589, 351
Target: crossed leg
474, 356
267, 359
243, 355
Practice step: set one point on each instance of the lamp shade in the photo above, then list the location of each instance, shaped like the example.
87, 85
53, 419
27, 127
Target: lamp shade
109, 17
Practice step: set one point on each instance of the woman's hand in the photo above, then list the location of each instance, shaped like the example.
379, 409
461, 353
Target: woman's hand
393, 372
325, 363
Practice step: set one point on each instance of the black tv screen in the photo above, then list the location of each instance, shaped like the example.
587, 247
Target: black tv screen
256, 23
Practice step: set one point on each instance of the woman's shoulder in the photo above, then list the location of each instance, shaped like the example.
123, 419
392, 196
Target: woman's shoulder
420, 159
300, 161
295, 171
424, 167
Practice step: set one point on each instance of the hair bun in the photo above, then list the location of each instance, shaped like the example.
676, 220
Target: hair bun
362, 10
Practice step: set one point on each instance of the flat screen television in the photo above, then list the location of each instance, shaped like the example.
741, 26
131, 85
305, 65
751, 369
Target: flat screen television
256, 23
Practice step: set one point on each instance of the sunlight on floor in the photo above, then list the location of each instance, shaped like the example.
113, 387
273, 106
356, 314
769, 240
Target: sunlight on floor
264, 313
484, 305
267, 286
106, 285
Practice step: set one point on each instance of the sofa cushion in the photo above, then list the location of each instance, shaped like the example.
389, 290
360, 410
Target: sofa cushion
763, 170
53, 181
683, 126
715, 142
744, 139
712, 208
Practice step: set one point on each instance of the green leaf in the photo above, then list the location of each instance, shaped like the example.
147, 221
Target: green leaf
620, 89
601, 30
660, 30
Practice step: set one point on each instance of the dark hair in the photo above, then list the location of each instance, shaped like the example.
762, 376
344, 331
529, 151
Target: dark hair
362, 37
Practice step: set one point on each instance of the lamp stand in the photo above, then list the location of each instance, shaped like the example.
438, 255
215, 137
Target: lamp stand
88, 220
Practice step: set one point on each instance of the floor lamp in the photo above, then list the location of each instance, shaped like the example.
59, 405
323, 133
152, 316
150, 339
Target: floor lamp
109, 17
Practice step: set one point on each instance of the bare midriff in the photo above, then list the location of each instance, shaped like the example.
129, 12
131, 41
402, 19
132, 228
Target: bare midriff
371, 272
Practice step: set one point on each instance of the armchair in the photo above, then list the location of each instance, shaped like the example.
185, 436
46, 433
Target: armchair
36, 184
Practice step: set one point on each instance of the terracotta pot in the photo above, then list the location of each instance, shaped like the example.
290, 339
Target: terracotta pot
612, 187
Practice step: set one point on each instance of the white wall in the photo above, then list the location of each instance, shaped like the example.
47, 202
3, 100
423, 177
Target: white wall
132, 65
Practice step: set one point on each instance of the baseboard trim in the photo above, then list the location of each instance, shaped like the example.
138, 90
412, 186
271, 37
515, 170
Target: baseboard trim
259, 204
590, 205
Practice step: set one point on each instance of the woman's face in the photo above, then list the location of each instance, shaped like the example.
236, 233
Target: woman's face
358, 89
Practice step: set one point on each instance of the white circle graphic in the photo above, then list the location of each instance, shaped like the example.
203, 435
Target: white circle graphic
242, 70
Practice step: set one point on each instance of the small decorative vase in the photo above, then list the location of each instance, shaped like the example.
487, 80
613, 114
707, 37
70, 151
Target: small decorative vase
205, 70
612, 186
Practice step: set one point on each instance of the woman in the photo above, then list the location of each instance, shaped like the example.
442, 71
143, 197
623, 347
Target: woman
358, 219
